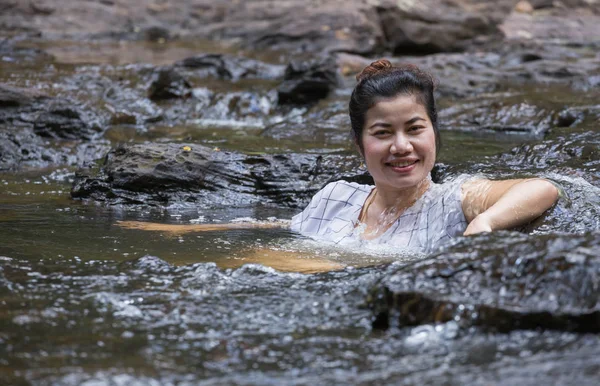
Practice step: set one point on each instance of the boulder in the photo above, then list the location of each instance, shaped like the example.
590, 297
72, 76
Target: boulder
307, 82
167, 173
548, 282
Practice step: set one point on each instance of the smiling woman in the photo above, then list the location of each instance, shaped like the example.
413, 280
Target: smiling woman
395, 127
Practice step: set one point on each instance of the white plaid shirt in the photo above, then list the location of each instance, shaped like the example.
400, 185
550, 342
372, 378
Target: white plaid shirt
434, 218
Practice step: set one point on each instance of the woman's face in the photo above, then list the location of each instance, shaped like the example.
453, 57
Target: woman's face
398, 143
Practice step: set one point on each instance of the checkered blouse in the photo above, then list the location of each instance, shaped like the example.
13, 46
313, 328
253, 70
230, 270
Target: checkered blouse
436, 217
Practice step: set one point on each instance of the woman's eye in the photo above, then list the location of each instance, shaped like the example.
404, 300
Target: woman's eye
380, 133
415, 128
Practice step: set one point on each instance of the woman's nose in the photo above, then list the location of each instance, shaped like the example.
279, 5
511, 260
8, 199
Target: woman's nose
401, 145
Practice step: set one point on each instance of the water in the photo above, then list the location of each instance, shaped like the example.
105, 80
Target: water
84, 301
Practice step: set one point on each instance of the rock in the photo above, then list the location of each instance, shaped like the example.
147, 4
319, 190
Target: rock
21, 148
569, 117
357, 26
34, 126
157, 34
168, 84
63, 120
158, 174
510, 115
425, 27
504, 284
230, 67
306, 82
11, 96
57, 118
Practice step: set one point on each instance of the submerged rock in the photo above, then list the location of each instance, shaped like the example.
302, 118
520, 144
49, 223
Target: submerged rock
308, 81
159, 174
506, 283
230, 67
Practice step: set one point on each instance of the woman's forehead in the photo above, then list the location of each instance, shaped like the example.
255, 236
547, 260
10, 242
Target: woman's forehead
397, 107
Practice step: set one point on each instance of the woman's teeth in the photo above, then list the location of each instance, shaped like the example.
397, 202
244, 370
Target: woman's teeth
401, 164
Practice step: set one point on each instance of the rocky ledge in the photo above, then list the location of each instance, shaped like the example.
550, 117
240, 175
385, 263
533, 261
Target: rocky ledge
516, 282
167, 173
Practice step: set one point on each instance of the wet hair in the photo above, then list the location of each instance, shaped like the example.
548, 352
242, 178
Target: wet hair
380, 80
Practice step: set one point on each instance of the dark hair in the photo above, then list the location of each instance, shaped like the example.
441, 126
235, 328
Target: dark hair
381, 80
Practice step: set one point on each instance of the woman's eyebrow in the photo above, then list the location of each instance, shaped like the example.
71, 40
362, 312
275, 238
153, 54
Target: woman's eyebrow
413, 120
380, 124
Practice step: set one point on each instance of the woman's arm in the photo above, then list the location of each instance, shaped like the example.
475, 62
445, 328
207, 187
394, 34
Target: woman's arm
494, 205
287, 261
175, 229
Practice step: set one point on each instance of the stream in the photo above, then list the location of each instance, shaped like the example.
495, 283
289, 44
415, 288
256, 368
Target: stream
86, 302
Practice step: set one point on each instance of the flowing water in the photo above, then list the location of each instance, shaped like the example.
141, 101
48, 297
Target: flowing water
85, 301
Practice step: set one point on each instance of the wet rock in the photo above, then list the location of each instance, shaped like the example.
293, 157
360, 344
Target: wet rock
569, 117
11, 96
568, 155
63, 120
50, 117
230, 67
308, 81
548, 282
21, 148
425, 27
34, 126
510, 115
168, 84
170, 173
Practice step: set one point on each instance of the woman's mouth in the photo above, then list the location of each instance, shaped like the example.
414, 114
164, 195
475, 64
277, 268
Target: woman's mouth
402, 166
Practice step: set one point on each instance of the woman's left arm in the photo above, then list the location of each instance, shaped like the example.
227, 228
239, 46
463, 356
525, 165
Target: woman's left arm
494, 205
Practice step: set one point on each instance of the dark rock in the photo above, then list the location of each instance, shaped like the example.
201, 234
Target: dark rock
57, 118
569, 117
34, 126
230, 67
425, 27
508, 115
167, 84
63, 120
167, 173
21, 148
308, 81
548, 282
157, 34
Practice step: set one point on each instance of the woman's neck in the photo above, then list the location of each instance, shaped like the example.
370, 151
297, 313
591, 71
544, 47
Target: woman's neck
399, 199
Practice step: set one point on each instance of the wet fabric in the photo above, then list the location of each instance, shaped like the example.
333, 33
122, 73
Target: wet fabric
433, 219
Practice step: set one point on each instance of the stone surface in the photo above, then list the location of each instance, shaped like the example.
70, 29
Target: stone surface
307, 82
168, 173
230, 67
546, 283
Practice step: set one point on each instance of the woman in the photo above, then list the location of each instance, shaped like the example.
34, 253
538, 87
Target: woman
395, 127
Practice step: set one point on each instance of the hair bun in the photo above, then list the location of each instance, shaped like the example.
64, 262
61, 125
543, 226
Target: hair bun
379, 66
